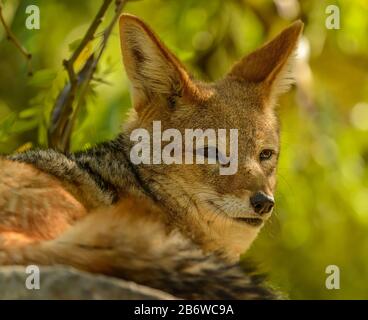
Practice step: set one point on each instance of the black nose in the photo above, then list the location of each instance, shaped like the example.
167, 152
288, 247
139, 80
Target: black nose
262, 203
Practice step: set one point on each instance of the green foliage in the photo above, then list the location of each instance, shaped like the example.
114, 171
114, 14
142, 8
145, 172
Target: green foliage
322, 200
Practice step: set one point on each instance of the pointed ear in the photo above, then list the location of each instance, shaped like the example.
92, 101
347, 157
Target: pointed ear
152, 69
271, 64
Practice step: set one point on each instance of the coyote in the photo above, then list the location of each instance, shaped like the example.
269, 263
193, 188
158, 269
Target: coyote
178, 228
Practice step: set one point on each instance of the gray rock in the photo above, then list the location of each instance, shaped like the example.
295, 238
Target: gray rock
61, 282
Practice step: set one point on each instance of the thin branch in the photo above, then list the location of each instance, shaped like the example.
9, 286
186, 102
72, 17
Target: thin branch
11, 37
105, 37
89, 36
91, 30
64, 115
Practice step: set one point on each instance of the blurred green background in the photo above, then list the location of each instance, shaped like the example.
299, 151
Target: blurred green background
321, 216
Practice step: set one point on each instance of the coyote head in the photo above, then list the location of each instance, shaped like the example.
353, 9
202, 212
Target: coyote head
222, 212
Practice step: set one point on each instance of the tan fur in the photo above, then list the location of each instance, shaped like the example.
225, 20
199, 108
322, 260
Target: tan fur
34, 203
111, 242
276, 74
161, 207
244, 98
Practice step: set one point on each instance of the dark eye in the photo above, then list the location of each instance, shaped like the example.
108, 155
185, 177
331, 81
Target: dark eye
266, 154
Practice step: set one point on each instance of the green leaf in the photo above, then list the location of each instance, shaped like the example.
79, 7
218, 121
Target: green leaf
6, 125
42, 78
74, 44
28, 113
24, 125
